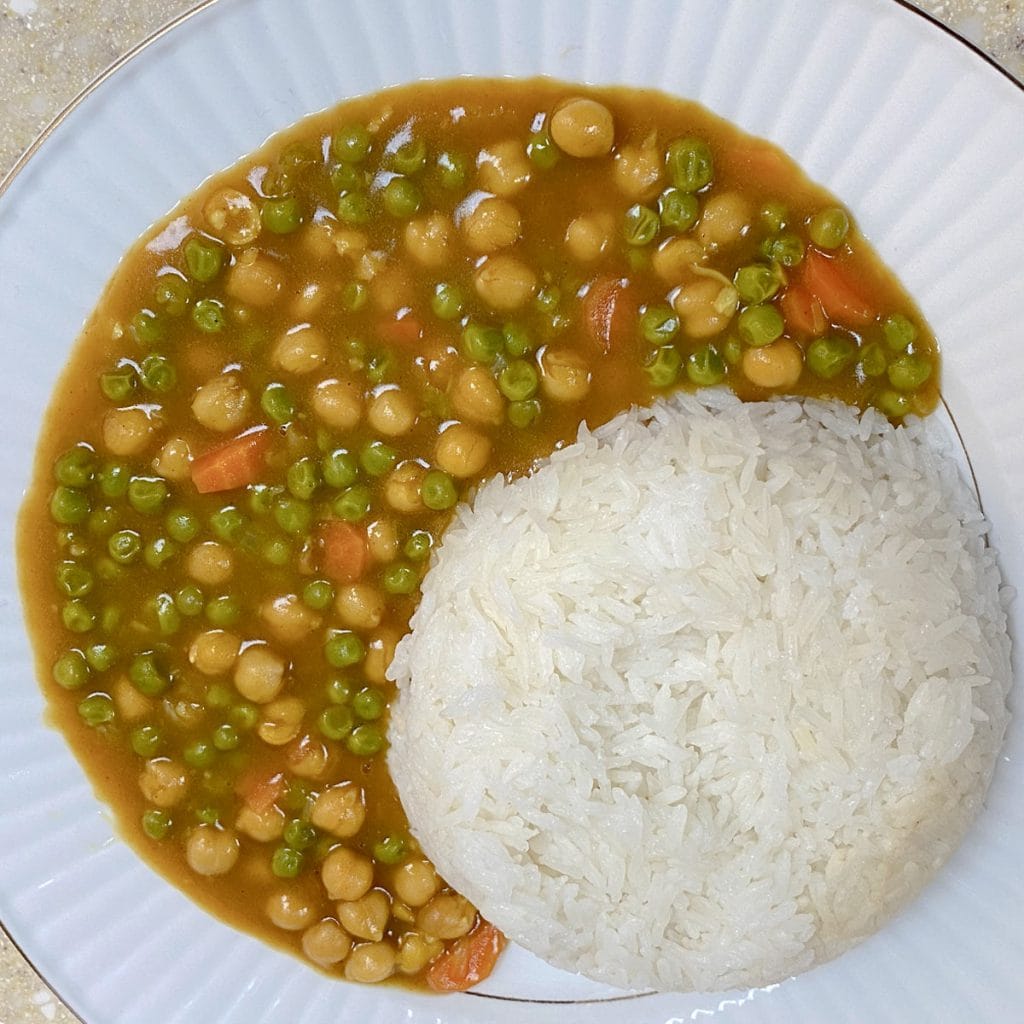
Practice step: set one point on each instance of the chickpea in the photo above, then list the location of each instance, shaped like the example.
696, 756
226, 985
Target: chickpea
263, 826
325, 943
340, 810
308, 758
163, 782
255, 280
309, 301
583, 127
259, 674
391, 412
564, 374
127, 431
415, 951
173, 460
288, 618
392, 289
339, 403
367, 917
490, 225
429, 241
379, 651
214, 652
360, 606
504, 282
676, 257
726, 217
210, 563
589, 235
282, 721
300, 350
462, 451
211, 851
346, 875
475, 397
777, 365
290, 909
232, 216
504, 168
637, 170
402, 487
382, 540
131, 705
222, 403
415, 882
370, 962
447, 916
705, 307
318, 240
350, 242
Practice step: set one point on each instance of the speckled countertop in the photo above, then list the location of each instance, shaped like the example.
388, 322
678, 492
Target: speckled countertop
50, 49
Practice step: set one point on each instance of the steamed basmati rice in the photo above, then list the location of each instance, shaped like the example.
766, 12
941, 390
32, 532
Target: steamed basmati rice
710, 695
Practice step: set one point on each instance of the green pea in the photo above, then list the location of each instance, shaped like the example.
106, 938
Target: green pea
828, 228
223, 611
756, 283
97, 709
158, 374
438, 490
218, 696
899, 332
343, 648
678, 209
113, 479
124, 546
107, 569
147, 676
447, 301
828, 357
277, 402
354, 296
381, 367
156, 824
208, 815
663, 366
69, 506
208, 315
640, 225
110, 618
786, 249
168, 617
733, 351
352, 504
369, 704
103, 520
346, 177
774, 215
199, 754
147, 327
146, 741
299, 834
76, 467
204, 258
658, 324
182, 525
77, 616
73, 579
172, 294
523, 414
339, 468
244, 716
893, 403
760, 325
101, 656
281, 216
365, 741
354, 207
908, 372
377, 458
71, 670
303, 478
873, 360
399, 578
518, 381
705, 367
453, 169
542, 151
482, 344
417, 547
147, 494
262, 498
410, 157
286, 862
690, 164
318, 594
189, 600
548, 298
118, 385
517, 339
293, 516
389, 850
351, 143
402, 198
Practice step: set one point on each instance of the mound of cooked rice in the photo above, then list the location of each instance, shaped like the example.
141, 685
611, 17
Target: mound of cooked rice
710, 695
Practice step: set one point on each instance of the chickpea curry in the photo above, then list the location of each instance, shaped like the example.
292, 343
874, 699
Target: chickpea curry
291, 382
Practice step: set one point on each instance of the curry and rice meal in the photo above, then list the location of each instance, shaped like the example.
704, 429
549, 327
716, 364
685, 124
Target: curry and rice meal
489, 510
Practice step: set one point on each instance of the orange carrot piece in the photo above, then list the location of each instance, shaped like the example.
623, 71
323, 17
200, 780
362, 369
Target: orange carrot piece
762, 167
343, 551
260, 792
467, 961
403, 331
830, 280
802, 311
609, 312
234, 464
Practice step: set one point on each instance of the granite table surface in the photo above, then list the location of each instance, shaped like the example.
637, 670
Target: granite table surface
51, 49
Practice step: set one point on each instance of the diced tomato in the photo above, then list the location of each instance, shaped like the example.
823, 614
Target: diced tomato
343, 551
404, 330
235, 464
467, 961
260, 792
609, 312
829, 279
802, 311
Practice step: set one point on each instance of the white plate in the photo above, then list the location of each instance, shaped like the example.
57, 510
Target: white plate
923, 139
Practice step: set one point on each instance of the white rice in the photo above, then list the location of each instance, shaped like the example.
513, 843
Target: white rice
709, 696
